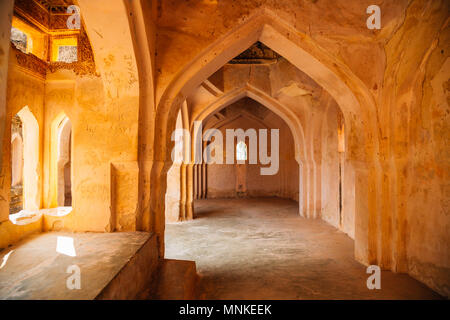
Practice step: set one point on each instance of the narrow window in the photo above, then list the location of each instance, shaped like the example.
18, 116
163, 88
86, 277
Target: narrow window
16, 203
241, 151
64, 163
24, 192
19, 39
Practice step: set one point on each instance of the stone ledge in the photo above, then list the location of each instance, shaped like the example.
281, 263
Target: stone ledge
29, 216
112, 266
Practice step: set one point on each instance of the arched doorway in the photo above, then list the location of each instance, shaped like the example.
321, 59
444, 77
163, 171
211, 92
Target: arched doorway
65, 163
250, 132
334, 77
61, 162
16, 192
24, 162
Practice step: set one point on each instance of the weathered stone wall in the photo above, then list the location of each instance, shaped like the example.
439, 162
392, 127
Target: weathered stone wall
103, 109
394, 165
223, 179
24, 89
330, 168
415, 111
6, 9
391, 86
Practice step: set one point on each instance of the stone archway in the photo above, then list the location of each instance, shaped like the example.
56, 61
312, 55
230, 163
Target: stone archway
280, 110
60, 156
31, 199
64, 162
16, 159
349, 92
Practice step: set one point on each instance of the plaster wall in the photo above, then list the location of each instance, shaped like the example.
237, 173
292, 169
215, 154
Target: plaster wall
24, 90
6, 15
224, 180
399, 77
418, 164
391, 86
330, 169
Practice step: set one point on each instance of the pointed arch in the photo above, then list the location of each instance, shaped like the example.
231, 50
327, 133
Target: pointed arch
353, 97
60, 159
286, 114
16, 159
270, 103
30, 134
336, 78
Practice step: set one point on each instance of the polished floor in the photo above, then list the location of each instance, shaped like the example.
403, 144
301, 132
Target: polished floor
262, 249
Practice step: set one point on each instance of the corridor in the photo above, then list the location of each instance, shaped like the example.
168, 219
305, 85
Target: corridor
261, 249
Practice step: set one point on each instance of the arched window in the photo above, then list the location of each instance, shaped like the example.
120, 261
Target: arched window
16, 192
241, 151
16, 159
64, 163
61, 154
24, 191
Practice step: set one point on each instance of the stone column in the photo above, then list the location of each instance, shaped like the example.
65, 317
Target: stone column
6, 13
183, 187
189, 192
195, 181
366, 222
198, 189
204, 180
241, 180
307, 190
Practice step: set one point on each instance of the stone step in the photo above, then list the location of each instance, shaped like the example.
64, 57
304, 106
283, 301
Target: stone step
177, 280
111, 266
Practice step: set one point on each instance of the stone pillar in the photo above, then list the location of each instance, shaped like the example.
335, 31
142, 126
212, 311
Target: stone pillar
317, 196
198, 189
183, 186
6, 13
303, 189
195, 182
241, 180
204, 180
400, 261
366, 222
203, 168
189, 192
308, 189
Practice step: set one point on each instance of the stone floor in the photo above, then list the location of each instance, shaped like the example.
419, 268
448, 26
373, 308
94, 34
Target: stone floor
261, 249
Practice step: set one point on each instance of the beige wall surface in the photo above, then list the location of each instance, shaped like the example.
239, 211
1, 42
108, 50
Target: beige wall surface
391, 87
